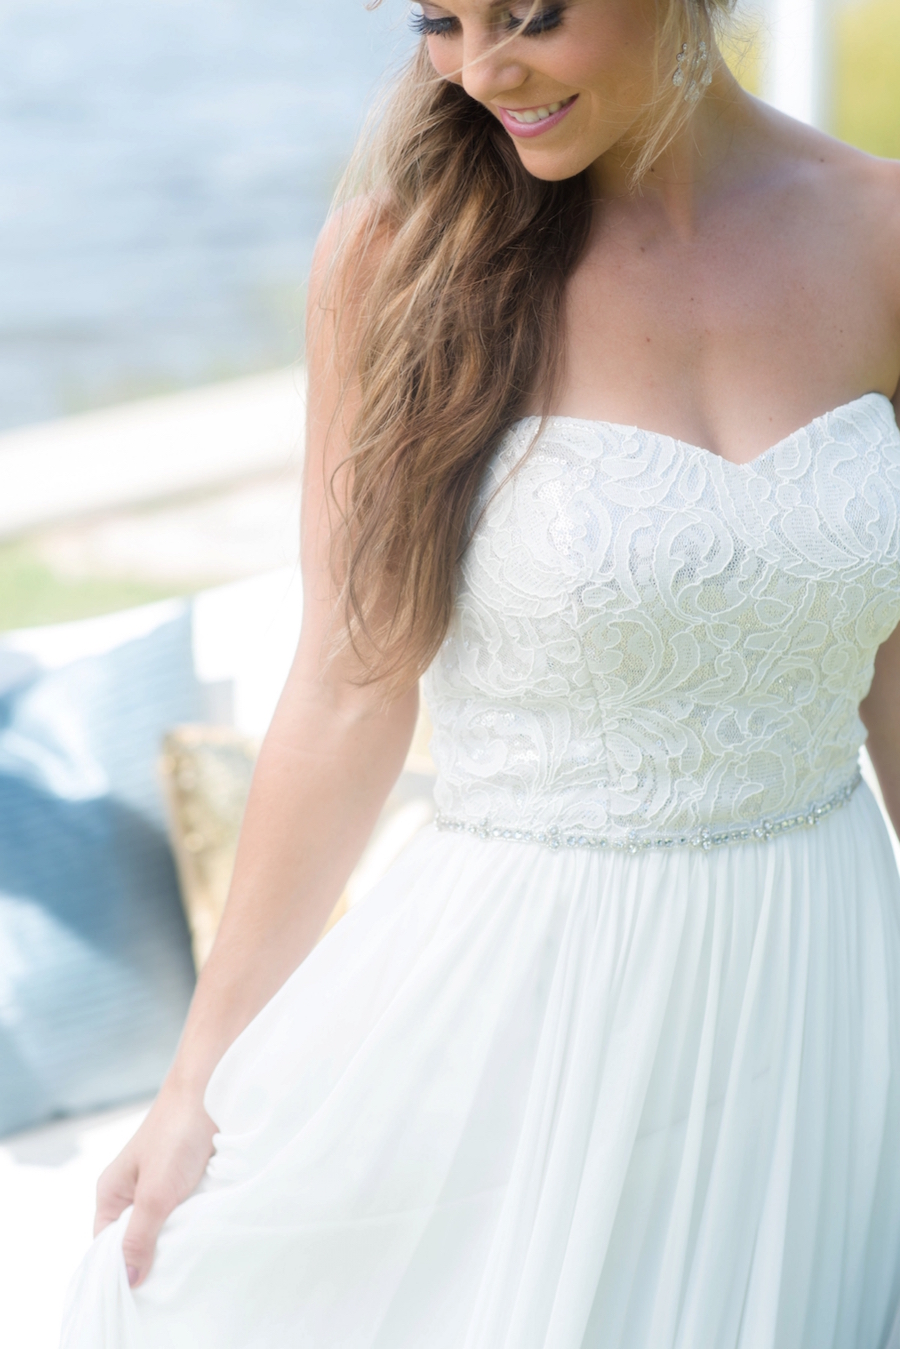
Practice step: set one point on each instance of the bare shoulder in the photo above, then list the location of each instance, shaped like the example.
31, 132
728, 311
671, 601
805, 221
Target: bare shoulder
846, 184
870, 188
838, 210
854, 200
346, 258
861, 194
349, 246
339, 297
877, 183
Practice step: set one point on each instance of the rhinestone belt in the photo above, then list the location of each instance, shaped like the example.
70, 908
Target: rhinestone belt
633, 842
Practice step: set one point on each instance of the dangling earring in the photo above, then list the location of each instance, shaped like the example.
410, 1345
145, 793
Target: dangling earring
698, 68
678, 77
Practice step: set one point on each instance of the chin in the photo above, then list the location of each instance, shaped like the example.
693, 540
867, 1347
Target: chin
554, 168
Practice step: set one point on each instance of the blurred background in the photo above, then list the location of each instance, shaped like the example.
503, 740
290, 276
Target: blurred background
165, 166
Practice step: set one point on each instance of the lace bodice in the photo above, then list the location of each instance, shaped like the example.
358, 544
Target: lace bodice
650, 639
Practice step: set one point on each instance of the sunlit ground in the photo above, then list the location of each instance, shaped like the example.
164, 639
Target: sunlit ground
130, 557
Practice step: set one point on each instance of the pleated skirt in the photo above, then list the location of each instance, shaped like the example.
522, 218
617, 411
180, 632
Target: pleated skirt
526, 1099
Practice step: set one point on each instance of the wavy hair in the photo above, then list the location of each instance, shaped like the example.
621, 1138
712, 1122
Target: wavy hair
456, 335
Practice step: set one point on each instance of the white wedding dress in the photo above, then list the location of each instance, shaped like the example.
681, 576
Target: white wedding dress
611, 1058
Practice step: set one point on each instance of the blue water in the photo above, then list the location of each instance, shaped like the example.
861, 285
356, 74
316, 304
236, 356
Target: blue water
165, 166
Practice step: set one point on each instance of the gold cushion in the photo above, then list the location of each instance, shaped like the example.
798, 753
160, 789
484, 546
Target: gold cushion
206, 772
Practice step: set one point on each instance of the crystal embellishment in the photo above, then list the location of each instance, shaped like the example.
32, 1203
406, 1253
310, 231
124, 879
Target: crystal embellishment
704, 838
697, 66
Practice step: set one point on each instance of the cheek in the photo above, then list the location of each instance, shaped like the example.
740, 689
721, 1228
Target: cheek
586, 67
612, 48
445, 57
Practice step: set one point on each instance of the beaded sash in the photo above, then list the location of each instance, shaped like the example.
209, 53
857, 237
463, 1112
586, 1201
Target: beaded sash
704, 838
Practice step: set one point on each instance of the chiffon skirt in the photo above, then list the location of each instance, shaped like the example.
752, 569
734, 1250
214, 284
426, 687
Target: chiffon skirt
525, 1099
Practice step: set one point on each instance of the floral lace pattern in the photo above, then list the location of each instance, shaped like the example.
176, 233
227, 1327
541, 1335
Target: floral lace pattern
650, 640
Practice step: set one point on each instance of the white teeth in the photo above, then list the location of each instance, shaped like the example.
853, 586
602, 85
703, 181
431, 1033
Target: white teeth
534, 114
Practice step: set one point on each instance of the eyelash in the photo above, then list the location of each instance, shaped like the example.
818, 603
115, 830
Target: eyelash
542, 22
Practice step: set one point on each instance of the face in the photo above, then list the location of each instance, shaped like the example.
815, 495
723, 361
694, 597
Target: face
568, 84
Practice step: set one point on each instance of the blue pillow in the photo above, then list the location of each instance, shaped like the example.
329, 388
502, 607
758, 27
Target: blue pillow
95, 964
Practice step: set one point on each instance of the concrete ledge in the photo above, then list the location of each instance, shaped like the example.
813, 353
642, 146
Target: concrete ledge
150, 450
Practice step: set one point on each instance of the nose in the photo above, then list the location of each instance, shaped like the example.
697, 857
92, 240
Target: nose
489, 69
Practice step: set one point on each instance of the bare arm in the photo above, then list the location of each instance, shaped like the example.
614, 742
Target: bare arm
880, 710
325, 768
333, 751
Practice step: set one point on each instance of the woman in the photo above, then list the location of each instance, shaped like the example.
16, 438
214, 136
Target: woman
611, 1059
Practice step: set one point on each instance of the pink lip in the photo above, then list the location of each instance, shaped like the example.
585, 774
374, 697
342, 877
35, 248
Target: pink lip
533, 128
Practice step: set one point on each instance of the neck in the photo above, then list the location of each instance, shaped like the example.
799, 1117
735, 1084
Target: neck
693, 163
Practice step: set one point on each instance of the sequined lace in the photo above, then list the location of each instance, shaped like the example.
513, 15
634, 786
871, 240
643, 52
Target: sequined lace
653, 646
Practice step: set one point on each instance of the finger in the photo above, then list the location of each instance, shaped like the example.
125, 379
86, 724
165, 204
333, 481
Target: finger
115, 1191
139, 1242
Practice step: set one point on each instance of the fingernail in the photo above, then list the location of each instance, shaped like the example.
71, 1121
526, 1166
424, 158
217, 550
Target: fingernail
133, 1275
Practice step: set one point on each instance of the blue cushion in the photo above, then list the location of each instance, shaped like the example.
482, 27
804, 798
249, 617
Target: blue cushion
95, 964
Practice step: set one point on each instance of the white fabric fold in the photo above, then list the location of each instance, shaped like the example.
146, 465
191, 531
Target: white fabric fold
525, 1099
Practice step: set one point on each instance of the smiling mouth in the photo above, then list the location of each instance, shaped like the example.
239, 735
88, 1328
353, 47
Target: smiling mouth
534, 121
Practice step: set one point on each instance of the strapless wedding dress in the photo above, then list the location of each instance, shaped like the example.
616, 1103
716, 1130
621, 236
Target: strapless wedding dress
611, 1058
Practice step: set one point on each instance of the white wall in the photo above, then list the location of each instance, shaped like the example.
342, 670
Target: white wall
797, 76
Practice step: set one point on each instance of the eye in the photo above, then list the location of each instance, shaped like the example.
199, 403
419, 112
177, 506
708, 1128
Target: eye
420, 23
543, 21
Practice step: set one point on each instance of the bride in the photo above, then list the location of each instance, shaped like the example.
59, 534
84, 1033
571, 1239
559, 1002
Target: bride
601, 436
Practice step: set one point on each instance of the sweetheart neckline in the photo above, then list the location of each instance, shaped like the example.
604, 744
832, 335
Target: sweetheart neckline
711, 454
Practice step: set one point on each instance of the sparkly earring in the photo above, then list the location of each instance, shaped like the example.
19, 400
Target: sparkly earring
678, 77
697, 68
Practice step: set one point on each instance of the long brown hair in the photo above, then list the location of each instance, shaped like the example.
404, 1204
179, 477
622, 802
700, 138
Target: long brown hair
458, 336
